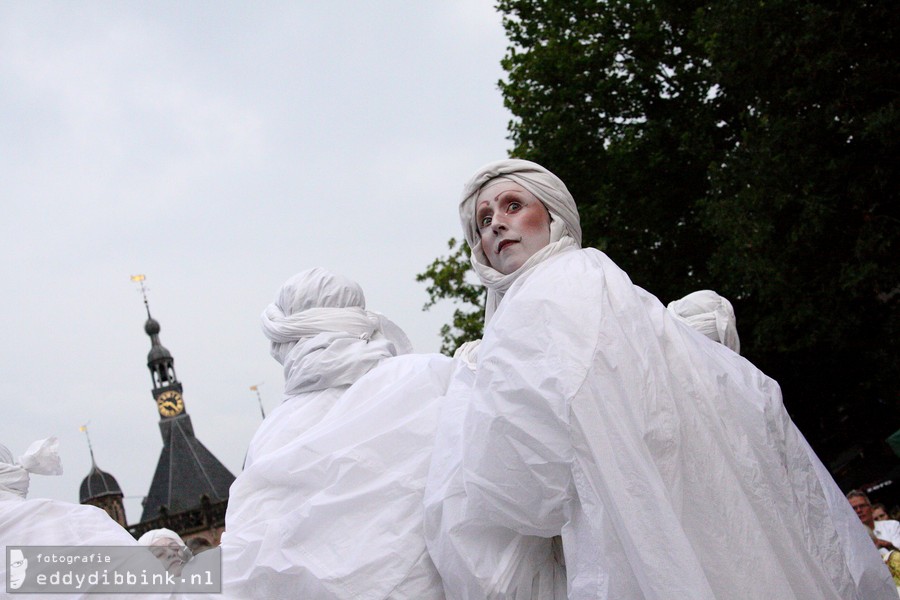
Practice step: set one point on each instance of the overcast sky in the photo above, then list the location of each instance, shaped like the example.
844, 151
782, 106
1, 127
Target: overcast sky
218, 148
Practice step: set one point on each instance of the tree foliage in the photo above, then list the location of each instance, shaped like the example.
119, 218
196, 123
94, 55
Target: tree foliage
746, 147
451, 278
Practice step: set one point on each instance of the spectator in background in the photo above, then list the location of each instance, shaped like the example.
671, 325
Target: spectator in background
887, 532
168, 547
879, 512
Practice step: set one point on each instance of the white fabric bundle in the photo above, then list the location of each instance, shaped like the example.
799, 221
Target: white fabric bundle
42, 458
565, 228
710, 314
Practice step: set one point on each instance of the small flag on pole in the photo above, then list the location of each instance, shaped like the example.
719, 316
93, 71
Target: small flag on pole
137, 278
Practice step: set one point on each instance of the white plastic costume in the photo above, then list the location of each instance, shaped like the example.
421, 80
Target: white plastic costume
45, 522
329, 505
713, 316
668, 464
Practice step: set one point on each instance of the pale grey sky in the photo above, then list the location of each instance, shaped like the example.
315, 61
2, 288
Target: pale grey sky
218, 148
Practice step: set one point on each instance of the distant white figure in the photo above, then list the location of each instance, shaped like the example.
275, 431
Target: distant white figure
329, 505
168, 547
713, 316
45, 522
710, 314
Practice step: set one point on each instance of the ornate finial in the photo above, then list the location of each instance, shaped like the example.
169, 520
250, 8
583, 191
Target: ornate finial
90, 448
140, 279
255, 388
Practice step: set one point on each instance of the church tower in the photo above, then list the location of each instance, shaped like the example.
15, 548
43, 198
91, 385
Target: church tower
188, 477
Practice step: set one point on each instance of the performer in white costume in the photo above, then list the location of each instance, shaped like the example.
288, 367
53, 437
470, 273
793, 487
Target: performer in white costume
329, 505
45, 522
712, 315
321, 333
668, 464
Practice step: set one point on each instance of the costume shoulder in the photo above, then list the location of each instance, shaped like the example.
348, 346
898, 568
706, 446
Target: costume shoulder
558, 313
42, 521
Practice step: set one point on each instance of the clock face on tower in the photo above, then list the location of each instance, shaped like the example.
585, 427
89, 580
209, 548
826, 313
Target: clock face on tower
169, 403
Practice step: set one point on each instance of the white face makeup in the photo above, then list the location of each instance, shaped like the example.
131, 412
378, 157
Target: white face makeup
513, 225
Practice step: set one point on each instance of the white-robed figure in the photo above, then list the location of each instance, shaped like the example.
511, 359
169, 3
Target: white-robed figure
668, 464
329, 505
712, 315
42, 521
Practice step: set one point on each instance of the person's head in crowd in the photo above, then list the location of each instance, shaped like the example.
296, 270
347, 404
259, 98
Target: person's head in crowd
710, 314
168, 547
879, 512
515, 214
860, 503
198, 544
42, 458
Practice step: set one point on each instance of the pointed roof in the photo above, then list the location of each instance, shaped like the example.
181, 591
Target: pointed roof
186, 471
97, 484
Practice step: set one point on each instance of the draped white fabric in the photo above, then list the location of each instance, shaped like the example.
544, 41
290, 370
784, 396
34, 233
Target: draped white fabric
43, 522
669, 465
42, 458
710, 314
335, 512
329, 505
477, 558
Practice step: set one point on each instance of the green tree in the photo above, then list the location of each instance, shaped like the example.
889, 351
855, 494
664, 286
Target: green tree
451, 278
803, 204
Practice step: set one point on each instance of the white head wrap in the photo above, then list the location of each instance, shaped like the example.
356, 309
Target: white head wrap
565, 226
710, 314
42, 458
322, 334
156, 534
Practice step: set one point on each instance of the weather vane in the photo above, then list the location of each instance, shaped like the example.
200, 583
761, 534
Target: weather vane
255, 388
140, 279
84, 429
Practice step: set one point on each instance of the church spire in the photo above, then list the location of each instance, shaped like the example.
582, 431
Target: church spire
187, 470
159, 359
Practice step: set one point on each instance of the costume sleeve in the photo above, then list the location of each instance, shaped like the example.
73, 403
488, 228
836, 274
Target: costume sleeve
517, 451
478, 559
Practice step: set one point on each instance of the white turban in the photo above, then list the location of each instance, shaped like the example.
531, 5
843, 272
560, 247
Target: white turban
42, 458
565, 226
710, 314
317, 301
322, 334
156, 534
